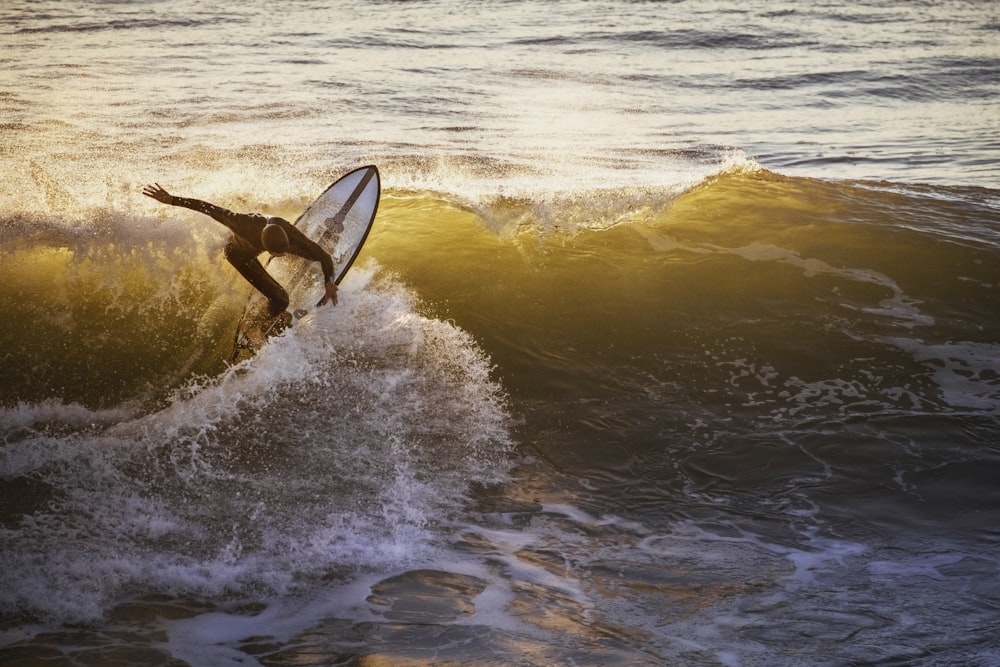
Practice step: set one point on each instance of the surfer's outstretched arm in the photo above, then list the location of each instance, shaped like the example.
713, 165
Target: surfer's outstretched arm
247, 227
223, 215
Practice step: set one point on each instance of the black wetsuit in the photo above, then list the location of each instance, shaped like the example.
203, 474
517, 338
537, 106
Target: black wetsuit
245, 245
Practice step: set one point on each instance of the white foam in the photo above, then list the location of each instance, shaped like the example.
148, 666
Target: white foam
207, 639
898, 307
72, 415
340, 444
968, 373
818, 553
919, 566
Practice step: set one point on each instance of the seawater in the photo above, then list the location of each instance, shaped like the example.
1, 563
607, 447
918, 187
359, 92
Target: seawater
675, 341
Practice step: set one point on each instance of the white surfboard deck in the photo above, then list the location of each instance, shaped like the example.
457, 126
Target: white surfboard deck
339, 221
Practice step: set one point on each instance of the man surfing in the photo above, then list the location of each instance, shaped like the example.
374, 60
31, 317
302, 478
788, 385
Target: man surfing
253, 234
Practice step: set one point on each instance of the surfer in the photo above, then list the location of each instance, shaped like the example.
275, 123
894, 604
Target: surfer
253, 234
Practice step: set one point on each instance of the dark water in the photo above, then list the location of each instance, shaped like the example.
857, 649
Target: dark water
677, 340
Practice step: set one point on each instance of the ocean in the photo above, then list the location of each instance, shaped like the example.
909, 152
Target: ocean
676, 340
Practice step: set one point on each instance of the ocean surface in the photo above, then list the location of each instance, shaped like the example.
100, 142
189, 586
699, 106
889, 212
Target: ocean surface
676, 341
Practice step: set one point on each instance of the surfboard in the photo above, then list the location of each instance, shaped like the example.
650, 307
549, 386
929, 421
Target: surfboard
339, 221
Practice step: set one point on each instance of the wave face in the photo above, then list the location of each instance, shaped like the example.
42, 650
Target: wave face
755, 339
758, 293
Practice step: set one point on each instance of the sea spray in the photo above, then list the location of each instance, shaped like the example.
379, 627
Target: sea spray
338, 447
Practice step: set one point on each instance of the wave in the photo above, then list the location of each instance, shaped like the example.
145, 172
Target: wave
110, 306
592, 328
749, 301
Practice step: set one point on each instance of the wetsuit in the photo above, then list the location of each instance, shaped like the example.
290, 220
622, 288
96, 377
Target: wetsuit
245, 245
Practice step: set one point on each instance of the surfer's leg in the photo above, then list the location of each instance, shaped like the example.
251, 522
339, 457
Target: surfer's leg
246, 262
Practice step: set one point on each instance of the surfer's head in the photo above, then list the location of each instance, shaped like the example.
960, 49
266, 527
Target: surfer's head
274, 239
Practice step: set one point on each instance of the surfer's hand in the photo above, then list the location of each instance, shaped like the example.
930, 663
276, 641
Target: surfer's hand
158, 193
331, 294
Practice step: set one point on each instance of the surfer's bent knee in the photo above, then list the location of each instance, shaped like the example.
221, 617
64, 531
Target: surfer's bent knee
244, 259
